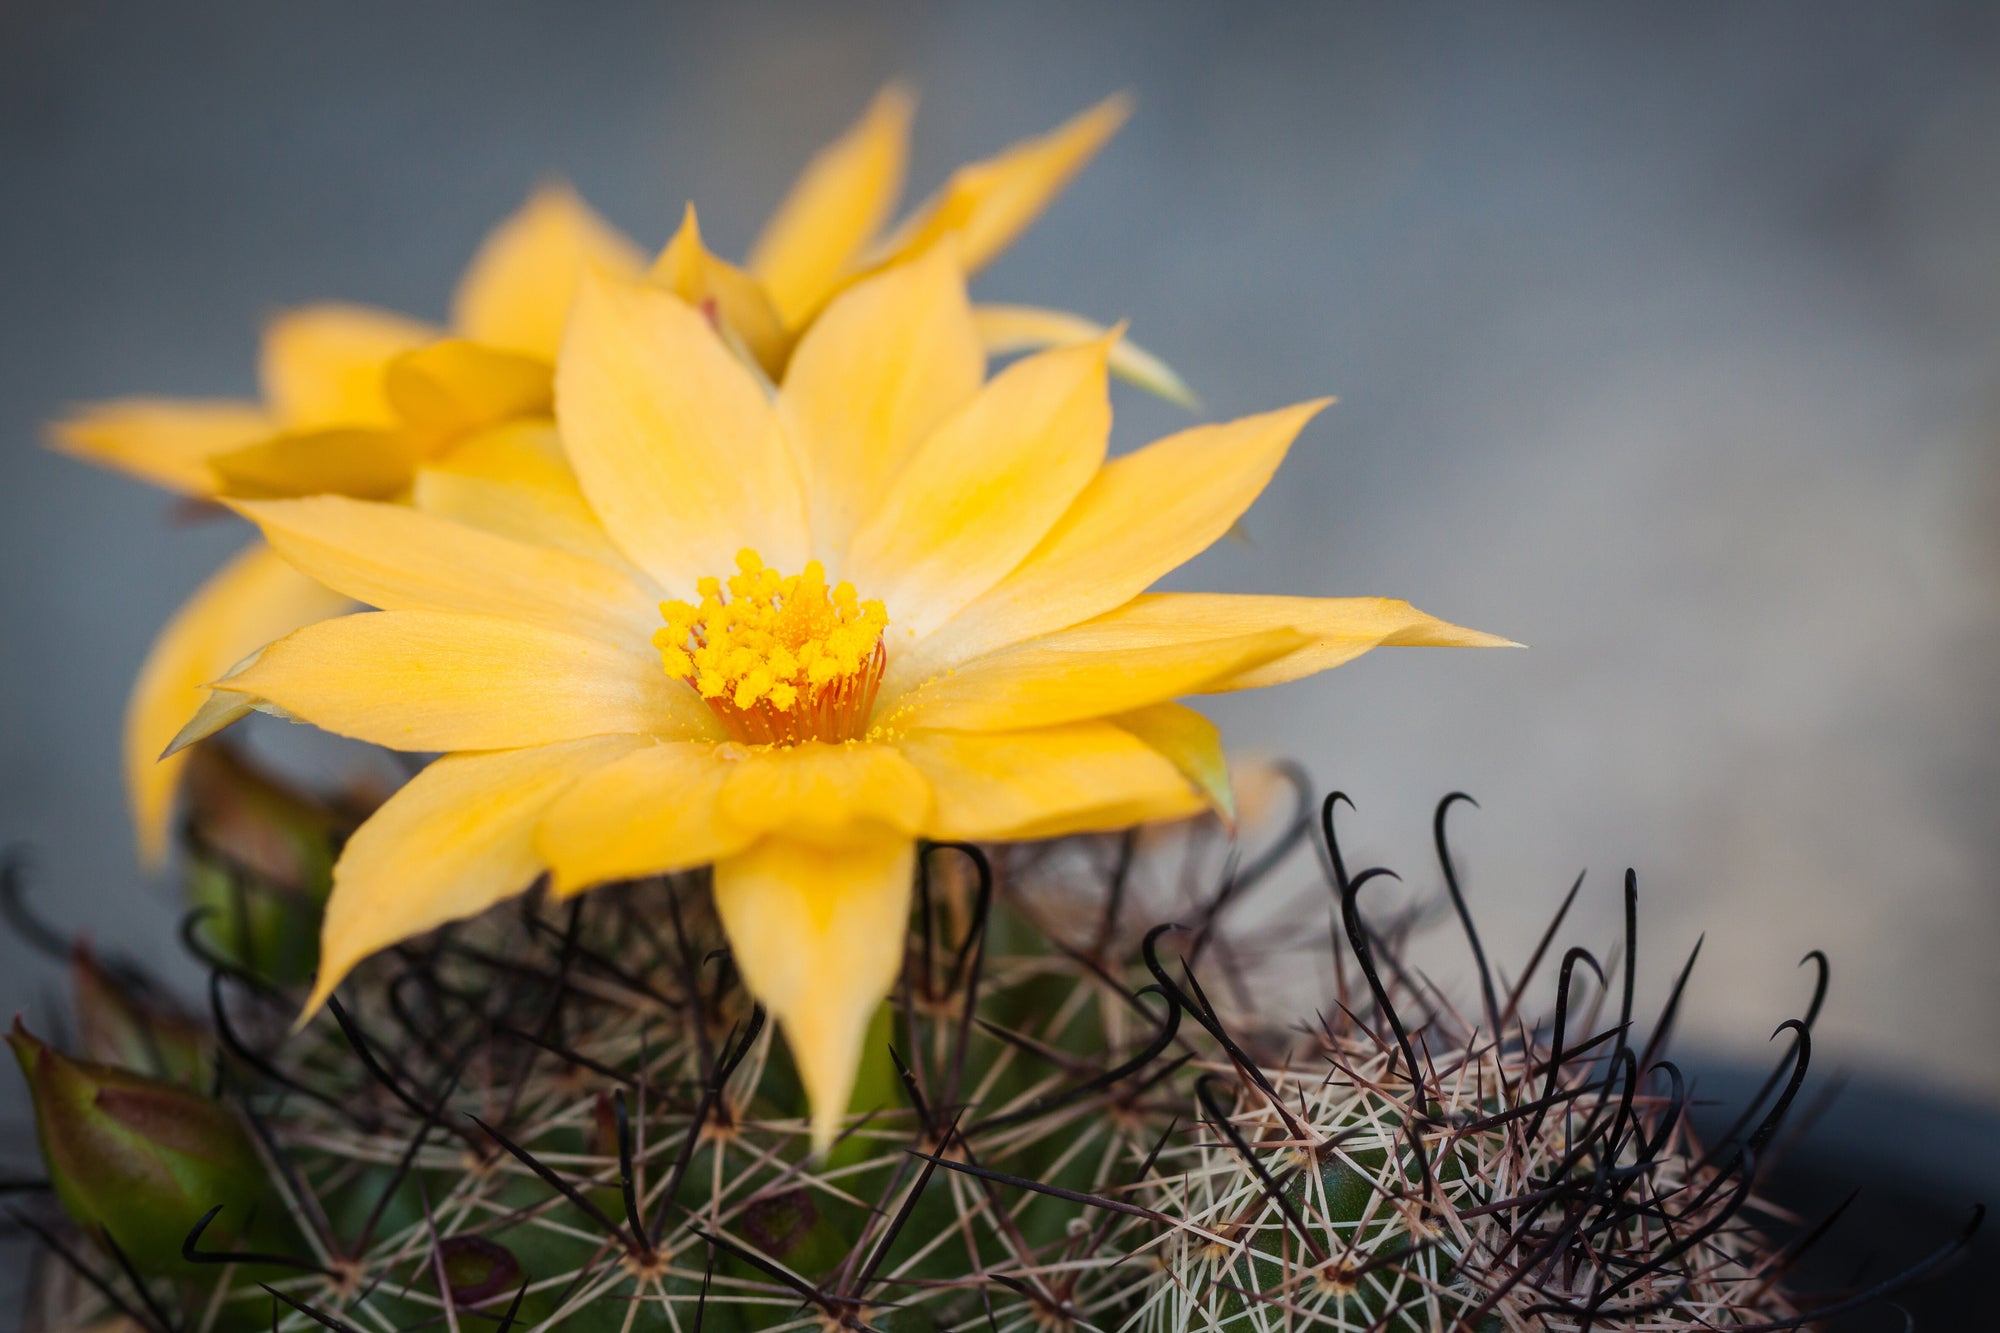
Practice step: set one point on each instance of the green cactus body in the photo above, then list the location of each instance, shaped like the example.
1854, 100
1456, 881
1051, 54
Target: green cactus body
577, 1117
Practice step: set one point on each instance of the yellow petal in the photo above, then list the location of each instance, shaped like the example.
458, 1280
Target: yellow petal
673, 440
985, 205
456, 839
256, 597
1192, 744
453, 386
400, 559
1140, 517
672, 806
161, 440
1047, 782
513, 480
1102, 667
322, 365
985, 488
888, 361
1004, 329
1334, 630
825, 792
844, 194
426, 680
653, 812
818, 934
737, 300
374, 464
218, 712
516, 293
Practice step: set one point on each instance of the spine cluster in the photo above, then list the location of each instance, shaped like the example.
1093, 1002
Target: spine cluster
1083, 1109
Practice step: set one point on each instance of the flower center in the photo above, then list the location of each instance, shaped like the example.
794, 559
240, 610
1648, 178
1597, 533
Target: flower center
779, 659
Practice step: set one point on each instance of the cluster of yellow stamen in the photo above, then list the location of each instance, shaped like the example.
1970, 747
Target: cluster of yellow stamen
780, 659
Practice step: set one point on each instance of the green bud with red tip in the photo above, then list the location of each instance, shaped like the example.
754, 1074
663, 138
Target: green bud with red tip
137, 1158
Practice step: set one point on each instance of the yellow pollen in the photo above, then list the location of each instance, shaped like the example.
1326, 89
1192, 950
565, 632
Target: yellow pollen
780, 659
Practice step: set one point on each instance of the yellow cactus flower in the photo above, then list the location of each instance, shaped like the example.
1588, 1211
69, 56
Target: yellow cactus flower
365, 403
890, 600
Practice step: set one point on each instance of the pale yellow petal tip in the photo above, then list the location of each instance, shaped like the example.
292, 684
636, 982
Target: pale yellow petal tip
553, 192
829, 1077
1104, 119
1143, 370
688, 234
79, 431
333, 970
826, 1126
1427, 631
191, 734
219, 710
892, 108
1018, 328
321, 993
164, 441
1128, 361
149, 836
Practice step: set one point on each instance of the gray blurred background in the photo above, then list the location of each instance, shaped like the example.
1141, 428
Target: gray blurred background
1667, 339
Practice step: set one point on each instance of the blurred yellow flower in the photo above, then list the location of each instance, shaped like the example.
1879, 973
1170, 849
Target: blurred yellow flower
363, 402
892, 599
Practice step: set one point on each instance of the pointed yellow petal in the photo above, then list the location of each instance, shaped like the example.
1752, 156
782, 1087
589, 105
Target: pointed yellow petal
653, 812
256, 597
456, 839
426, 680
159, 439
1045, 783
888, 361
673, 440
1192, 744
218, 712
985, 488
825, 792
677, 805
516, 293
1140, 517
453, 386
1334, 629
1004, 329
1099, 668
514, 481
735, 299
372, 463
400, 559
844, 194
322, 365
818, 934
985, 205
